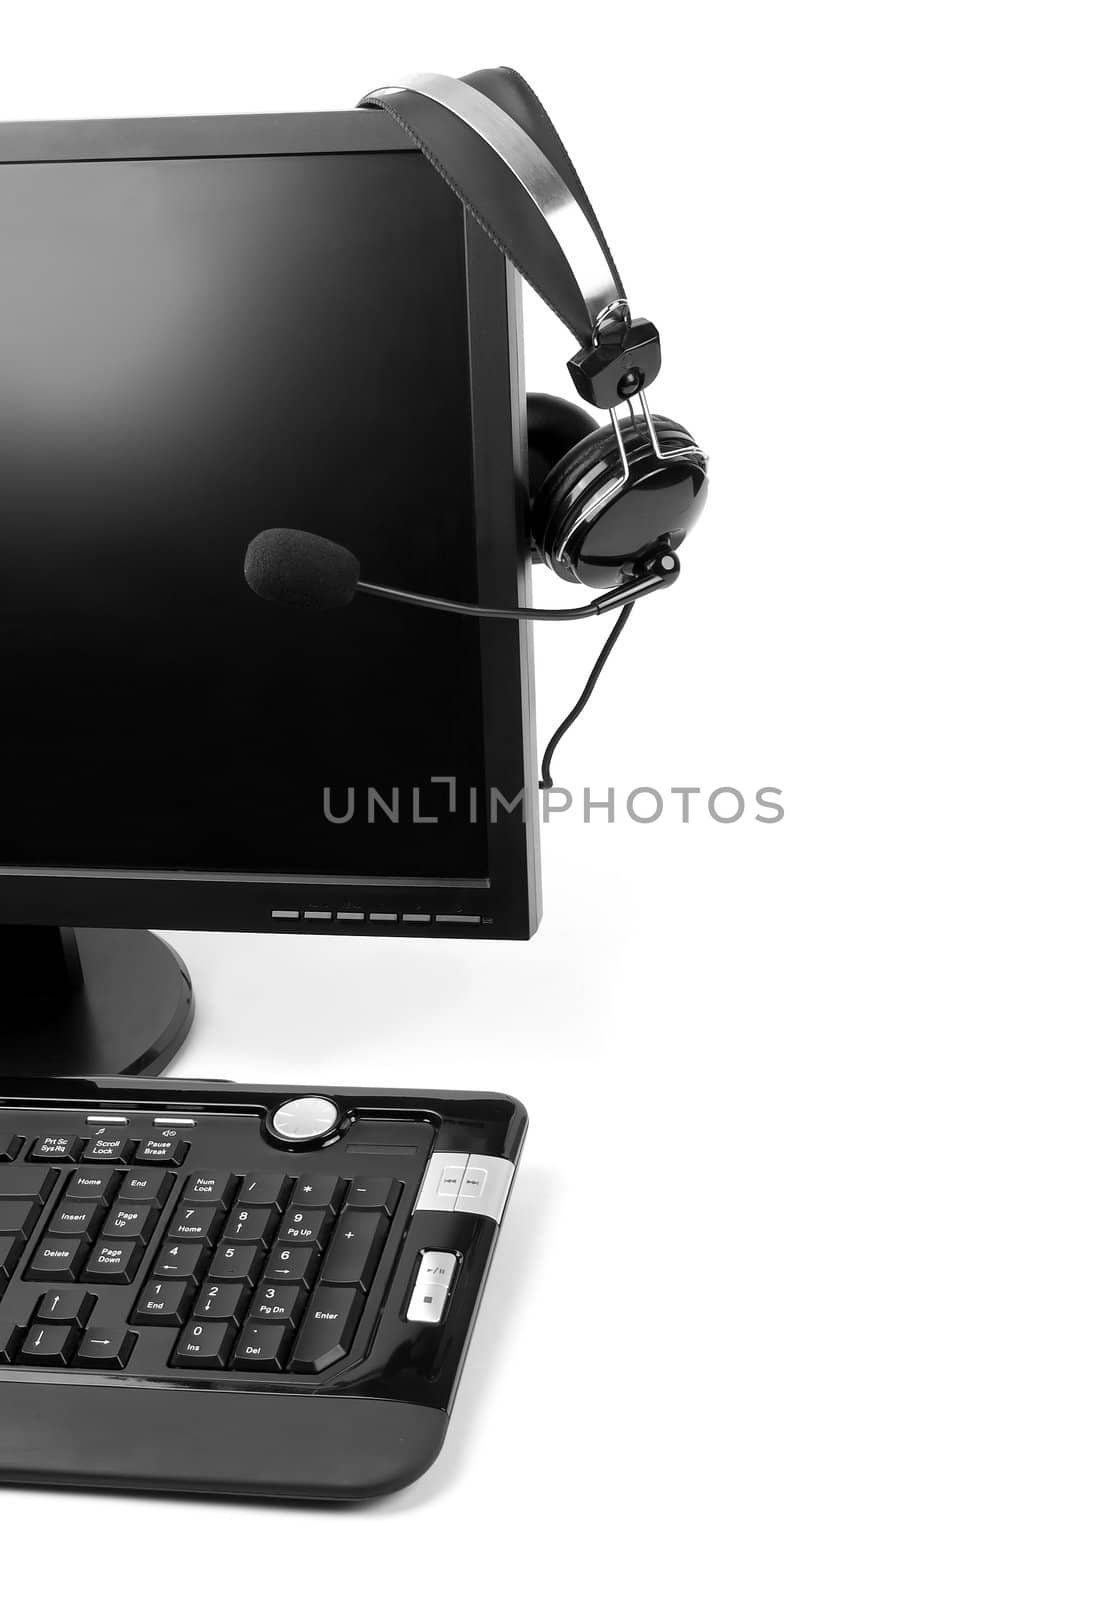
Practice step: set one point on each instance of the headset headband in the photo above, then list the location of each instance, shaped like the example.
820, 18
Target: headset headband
491, 140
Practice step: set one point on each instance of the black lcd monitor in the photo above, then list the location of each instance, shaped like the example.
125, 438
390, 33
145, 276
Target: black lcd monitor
208, 327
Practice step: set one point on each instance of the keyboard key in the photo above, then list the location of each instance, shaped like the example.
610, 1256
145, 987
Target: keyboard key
209, 1188
57, 1260
10, 1335
264, 1189
25, 1183
204, 1344
105, 1347
251, 1225
317, 1191
65, 1305
222, 1302
236, 1263
374, 1194
278, 1302
55, 1147
196, 1222
130, 1222
146, 1188
18, 1217
10, 1146
162, 1305
179, 1260
108, 1147
305, 1227
293, 1265
356, 1246
114, 1263
327, 1329
260, 1347
162, 1150
77, 1219
48, 1345
11, 1248
90, 1184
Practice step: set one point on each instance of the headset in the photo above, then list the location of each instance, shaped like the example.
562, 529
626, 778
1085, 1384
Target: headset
609, 504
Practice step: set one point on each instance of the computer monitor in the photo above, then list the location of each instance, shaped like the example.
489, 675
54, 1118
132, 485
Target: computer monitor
210, 326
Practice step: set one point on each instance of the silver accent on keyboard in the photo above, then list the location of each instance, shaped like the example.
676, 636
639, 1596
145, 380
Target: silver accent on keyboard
485, 1186
432, 1286
458, 1181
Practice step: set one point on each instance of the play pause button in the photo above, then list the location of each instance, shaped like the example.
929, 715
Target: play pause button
434, 1278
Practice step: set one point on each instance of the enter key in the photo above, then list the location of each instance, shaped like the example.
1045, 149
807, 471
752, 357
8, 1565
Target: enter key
327, 1329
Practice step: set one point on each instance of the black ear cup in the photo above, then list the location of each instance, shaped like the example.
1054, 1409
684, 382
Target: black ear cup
554, 426
592, 529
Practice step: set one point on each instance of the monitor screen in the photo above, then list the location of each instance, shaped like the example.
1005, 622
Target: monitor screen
192, 350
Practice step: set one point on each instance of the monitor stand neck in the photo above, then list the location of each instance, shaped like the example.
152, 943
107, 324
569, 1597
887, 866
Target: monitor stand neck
90, 1002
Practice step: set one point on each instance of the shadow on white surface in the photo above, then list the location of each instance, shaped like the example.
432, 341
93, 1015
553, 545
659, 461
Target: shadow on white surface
272, 1003
384, 1013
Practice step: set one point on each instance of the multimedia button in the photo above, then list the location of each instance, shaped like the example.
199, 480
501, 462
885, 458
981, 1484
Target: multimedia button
434, 1277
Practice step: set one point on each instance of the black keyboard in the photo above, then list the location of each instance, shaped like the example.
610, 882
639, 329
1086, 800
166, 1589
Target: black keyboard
240, 1290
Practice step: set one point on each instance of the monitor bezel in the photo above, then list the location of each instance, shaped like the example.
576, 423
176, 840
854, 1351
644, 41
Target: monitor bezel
504, 904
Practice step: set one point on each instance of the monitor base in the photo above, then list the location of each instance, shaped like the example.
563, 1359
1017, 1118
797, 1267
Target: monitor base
90, 1002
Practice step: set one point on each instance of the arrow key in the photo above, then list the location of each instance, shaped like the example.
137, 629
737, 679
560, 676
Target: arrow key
65, 1305
48, 1346
105, 1347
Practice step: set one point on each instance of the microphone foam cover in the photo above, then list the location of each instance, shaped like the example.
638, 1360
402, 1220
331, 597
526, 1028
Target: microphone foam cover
295, 568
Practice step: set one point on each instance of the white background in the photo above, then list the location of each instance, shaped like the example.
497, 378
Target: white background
799, 1294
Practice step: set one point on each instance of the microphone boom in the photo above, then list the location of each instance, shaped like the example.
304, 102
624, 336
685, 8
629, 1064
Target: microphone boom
295, 568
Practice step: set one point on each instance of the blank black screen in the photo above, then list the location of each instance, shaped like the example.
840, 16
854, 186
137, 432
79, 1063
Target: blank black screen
191, 351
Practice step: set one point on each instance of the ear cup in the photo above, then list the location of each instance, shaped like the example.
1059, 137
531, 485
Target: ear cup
554, 426
590, 533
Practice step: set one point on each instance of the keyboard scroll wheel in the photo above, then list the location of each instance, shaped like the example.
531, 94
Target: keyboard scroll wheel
307, 1120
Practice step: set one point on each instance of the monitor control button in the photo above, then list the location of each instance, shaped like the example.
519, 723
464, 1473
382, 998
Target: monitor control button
306, 1120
